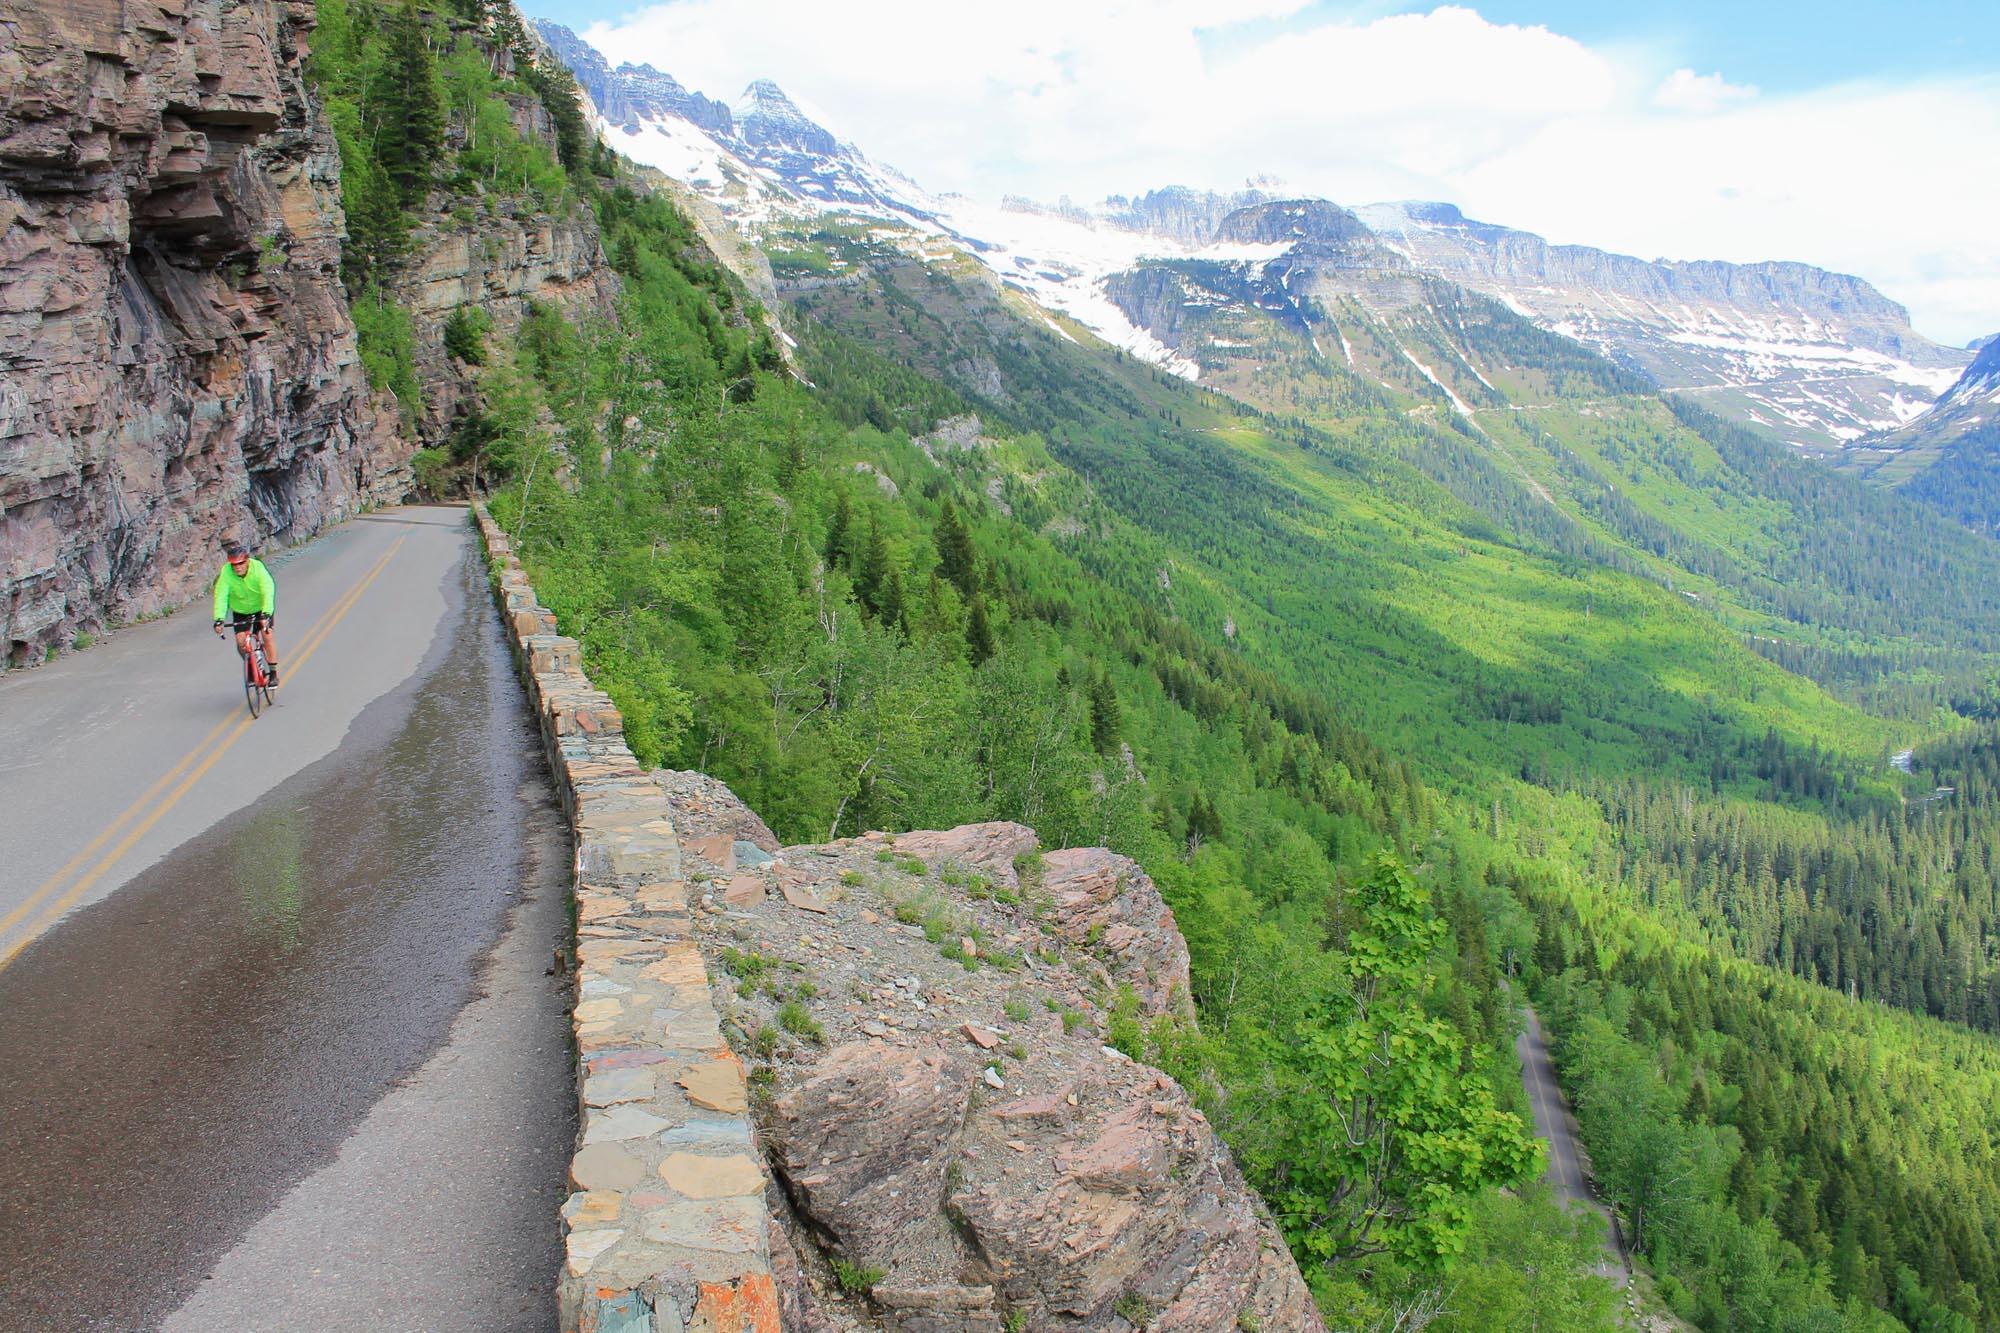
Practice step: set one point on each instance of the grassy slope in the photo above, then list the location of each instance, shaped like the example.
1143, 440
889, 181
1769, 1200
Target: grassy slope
1342, 565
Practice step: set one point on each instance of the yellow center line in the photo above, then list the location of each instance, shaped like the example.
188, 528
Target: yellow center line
314, 639
110, 830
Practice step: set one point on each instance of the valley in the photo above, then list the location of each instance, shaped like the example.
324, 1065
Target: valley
1417, 707
1563, 598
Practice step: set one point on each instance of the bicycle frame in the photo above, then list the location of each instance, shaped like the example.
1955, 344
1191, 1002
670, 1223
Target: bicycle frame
256, 676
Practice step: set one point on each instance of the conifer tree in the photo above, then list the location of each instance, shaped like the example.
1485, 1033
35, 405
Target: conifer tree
895, 605
956, 560
873, 577
837, 532
978, 633
407, 110
1104, 719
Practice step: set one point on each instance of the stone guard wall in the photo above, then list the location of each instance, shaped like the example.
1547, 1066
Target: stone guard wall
666, 1228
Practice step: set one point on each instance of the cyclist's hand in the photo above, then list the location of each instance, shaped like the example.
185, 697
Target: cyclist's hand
218, 629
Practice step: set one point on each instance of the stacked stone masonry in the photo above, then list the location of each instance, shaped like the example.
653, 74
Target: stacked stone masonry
665, 1228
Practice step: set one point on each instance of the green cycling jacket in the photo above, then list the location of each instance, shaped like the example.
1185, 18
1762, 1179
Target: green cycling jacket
253, 592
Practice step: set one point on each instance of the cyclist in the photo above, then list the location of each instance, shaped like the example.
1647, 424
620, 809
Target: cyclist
246, 596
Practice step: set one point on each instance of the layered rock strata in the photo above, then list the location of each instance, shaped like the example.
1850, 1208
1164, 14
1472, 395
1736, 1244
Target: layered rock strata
665, 1230
497, 252
177, 364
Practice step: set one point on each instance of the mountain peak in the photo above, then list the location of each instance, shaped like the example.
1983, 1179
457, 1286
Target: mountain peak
767, 93
765, 98
1434, 213
767, 118
1312, 222
631, 93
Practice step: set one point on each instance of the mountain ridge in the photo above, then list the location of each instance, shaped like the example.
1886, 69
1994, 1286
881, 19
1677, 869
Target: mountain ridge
1814, 358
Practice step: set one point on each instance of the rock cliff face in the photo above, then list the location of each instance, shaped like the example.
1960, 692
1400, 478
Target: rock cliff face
495, 252
926, 1016
1191, 217
177, 364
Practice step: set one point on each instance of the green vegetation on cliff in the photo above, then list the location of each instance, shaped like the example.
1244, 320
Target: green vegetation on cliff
1383, 721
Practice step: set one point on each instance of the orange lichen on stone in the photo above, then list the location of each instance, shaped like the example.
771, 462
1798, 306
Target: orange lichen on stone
749, 1305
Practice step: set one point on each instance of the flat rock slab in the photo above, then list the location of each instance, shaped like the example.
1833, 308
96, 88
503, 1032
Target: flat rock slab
716, 1085
605, 1166
700, 1177
718, 849
803, 899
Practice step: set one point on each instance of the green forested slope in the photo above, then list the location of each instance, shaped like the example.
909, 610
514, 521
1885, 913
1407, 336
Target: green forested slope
1358, 694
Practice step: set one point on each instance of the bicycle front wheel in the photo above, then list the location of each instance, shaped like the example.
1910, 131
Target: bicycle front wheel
253, 693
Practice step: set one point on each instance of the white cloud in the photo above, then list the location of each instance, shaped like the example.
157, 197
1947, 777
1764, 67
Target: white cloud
1615, 147
1685, 90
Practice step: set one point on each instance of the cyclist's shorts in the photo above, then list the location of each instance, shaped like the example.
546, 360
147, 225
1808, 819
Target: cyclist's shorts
252, 621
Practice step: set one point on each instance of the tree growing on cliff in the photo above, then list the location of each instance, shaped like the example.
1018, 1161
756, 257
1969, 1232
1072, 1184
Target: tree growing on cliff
406, 112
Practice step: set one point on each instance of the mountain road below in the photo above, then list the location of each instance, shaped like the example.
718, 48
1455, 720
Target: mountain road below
1556, 1125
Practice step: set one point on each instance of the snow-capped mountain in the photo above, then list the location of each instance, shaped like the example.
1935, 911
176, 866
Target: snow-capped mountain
1972, 402
759, 160
1820, 359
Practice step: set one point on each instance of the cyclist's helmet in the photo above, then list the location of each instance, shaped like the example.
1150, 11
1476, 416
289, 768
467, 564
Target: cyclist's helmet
233, 551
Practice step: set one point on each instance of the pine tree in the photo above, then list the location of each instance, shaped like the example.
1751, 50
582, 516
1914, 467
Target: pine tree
556, 88
872, 579
1104, 718
978, 633
895, 605
956, 560
407, 111
837, 532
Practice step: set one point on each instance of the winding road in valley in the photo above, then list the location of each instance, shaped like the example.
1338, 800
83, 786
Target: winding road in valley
282, 1048
1555, 1124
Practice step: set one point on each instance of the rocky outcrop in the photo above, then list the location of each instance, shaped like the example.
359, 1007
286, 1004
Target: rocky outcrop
1191, 217
1311, 223
177, 364
496, 251
956, 1147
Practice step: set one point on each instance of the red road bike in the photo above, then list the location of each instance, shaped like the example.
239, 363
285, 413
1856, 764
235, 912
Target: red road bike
256, 673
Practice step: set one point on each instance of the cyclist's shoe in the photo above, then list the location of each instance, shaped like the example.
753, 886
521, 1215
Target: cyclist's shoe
271, 673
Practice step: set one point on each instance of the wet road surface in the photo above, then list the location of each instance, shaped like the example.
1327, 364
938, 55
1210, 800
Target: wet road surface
303, 1068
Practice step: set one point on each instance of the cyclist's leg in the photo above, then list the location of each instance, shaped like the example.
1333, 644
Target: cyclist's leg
271, 646
244, 627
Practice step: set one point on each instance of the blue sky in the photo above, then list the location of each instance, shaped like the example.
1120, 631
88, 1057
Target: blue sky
1786, 47
1781, 47
1857, 137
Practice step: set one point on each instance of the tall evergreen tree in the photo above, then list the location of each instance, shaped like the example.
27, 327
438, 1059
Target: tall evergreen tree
838, 532
872, 579
956, 560
978, 633
1104, 718
406, 109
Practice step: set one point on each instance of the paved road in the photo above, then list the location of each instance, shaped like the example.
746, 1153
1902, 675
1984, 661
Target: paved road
280, 1049
1555, 1124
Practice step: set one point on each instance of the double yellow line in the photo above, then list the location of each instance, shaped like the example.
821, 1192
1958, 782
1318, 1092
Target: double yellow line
192, 766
